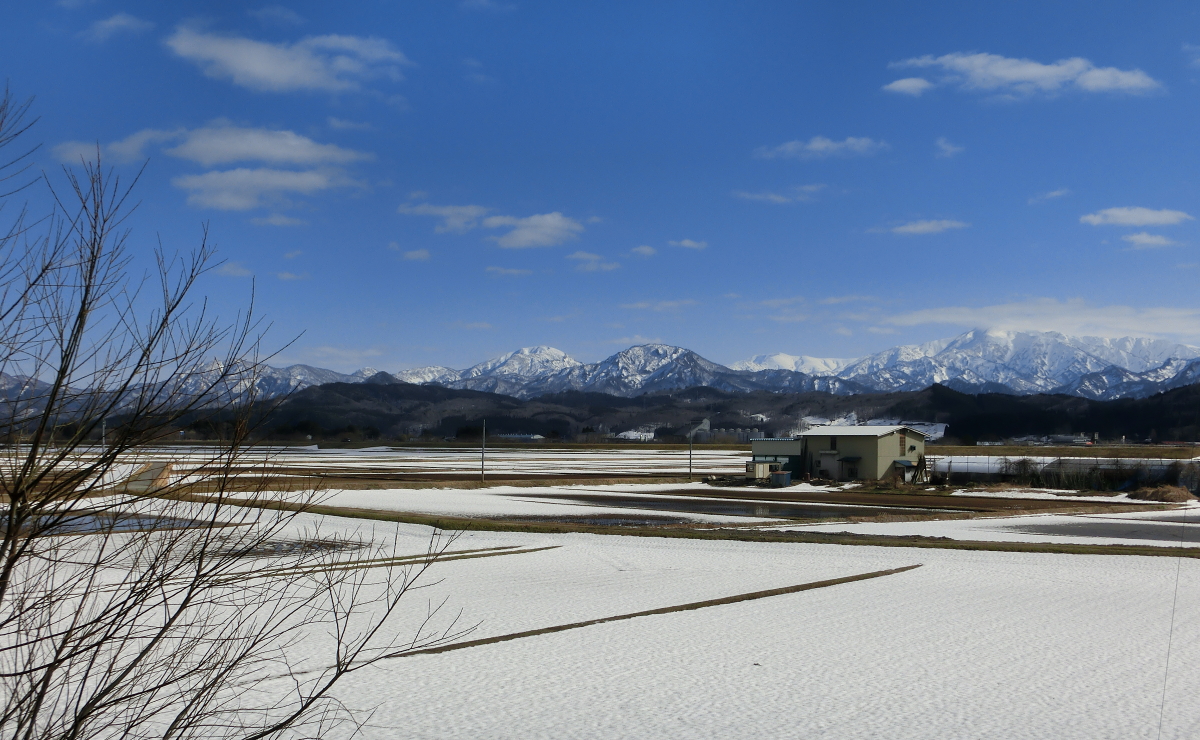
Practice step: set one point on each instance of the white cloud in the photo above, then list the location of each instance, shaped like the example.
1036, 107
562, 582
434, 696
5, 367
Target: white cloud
120, 23
798, 194
1053, 194
329, 63
243, 188
233, 269
455, 219
1015, 78
1135, 216
928, 227
276, 15
589, 262
644, 251
688, 244
291, 276
1073, 316
539, 230
417, 255
913, 86
293, 254
819, 147
658, 305
339, 124
482, 325
1142, 240
222, 144
71, 152
278, 219
508, 272
946, 149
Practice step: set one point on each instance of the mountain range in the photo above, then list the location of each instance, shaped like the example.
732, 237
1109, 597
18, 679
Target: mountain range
979, 361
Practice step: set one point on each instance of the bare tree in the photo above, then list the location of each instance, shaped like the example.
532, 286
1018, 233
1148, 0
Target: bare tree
139, 599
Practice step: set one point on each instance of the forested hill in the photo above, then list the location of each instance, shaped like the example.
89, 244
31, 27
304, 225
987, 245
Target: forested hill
392, 409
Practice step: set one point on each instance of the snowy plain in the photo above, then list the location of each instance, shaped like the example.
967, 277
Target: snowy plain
970, 645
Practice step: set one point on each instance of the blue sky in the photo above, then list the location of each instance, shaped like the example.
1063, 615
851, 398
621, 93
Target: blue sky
440, 182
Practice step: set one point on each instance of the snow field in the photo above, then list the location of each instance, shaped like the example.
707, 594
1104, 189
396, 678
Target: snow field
972, 644
1008, 528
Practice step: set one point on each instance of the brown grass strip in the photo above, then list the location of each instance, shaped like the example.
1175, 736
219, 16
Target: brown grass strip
651, 612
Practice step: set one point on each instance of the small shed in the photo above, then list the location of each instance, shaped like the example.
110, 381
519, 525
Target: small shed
849, 452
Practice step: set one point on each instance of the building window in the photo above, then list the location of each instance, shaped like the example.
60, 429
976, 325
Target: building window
833, 443
903, 444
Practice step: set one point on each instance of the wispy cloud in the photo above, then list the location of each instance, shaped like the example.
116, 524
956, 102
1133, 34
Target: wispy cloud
644, 251
331, 63
243, 188
819, 147
508, 272
278, 219
913, 86
658, 305
928, 227
1143, 240
223, 144
778, 302
291, 276
276, 15
1192, 51
1021, 78
475, 325
340, 124
1052, 195
798, 194
101, 31
689, 244
417, 255
455, 219
539, 230
1074, 316
1135, 216
233, 269
946, 149
589, 262
837, 300
789, 318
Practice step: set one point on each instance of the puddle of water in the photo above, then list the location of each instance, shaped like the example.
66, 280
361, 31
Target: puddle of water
775, 510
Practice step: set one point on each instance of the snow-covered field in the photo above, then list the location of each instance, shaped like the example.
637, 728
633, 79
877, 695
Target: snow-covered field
970, 645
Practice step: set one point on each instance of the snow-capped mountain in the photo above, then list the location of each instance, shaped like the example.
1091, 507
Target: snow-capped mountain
1019, 362
432, 374
801, 364
977, 362
527, 362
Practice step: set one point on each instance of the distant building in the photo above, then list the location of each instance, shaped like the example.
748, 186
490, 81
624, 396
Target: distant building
849, 453
636, 436
518, 437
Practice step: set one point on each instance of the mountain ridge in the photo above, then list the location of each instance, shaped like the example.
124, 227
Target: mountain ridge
977, 361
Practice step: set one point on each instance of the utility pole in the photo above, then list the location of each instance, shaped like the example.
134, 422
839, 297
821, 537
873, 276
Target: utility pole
103, 433
690, 436
483, 454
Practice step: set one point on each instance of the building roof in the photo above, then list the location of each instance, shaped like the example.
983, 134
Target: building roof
857, 431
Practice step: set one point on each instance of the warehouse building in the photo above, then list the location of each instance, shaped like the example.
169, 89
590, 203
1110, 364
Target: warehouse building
849, 453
